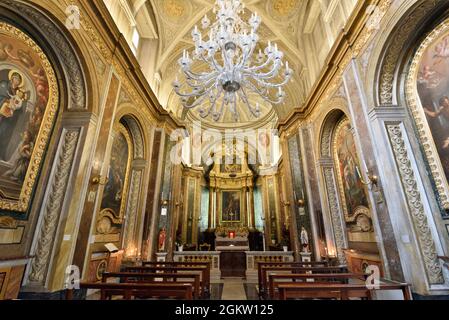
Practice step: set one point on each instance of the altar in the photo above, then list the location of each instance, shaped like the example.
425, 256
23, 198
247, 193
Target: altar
231, 239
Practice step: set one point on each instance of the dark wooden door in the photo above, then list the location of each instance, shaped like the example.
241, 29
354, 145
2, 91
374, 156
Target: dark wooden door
233, 264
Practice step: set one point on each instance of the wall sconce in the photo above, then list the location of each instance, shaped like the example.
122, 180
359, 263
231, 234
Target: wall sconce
301, 203
100, 181
164, 202
373, 179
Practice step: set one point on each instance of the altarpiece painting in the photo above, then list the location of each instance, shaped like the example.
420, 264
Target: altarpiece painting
428, 98
353, 194
28, 105
113, 205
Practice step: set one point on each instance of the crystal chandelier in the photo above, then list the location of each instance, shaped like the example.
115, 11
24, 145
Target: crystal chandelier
233, 70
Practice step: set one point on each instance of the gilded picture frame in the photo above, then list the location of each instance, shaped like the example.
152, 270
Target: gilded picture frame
353, 194
419, 116
22, 202
107, 212
335, 146
224, 204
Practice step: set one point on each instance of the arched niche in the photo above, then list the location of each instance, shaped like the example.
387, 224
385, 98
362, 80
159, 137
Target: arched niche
396, 74
338, 241
56, 154
347, 197
127, 176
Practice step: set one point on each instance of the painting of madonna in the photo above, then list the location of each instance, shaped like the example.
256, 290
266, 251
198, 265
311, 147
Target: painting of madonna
24, 94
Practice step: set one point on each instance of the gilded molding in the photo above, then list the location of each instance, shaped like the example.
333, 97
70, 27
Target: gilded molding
420, 119
52, 209
64, 51
398, 41
133, 204
425, 240
336, 215
343, 122
100, 44
106, 212
139, 149
22, 204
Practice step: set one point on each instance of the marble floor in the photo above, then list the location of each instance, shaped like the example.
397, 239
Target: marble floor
233, 289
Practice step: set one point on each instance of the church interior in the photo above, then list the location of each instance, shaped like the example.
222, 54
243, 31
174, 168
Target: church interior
224, 149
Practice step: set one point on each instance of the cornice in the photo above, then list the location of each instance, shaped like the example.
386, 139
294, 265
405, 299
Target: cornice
99, 16
349, 43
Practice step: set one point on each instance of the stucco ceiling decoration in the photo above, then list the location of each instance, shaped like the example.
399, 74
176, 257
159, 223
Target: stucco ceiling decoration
280, 24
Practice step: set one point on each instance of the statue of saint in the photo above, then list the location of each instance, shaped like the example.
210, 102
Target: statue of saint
162, 236
304, 240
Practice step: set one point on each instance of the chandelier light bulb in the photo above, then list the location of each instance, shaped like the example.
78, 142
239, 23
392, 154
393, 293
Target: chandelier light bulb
232, 77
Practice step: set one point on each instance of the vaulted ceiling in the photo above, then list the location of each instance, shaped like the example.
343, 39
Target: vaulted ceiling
303, 29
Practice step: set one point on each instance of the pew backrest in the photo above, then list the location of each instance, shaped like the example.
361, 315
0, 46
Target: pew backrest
147, 290
131, 277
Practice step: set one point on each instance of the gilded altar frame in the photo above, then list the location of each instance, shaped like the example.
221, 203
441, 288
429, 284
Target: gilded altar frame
106, 212
424, 132
22, 204
361, 209
220, 205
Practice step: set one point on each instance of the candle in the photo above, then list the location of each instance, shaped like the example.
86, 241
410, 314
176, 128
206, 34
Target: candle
358, 172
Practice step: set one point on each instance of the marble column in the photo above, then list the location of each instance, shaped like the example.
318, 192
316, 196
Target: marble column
211, 209
245, 206
252, 213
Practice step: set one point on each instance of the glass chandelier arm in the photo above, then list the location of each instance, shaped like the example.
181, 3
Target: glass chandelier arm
272, 85
254, 89
245, 99
218, 114
262, 66
195, 94
200, 77
195, 103
213, 103
211, 61
202, 85
235, 111
245, 58
270, 74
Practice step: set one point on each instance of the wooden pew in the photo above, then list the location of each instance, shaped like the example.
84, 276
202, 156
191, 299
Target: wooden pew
205, 273
274, 280
181, 291
292, 270
285, 264
337, 291
180, 264
131, 277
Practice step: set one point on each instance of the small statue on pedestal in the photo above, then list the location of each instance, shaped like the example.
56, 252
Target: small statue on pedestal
304, 240
161, 242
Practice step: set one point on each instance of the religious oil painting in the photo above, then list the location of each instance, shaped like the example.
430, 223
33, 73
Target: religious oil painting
432, 83
114, 196
354, 199
230, 205
28, 103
